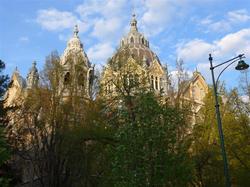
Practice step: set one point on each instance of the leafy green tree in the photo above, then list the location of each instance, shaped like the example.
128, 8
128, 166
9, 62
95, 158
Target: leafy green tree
4, 149
206, 144
60, 139
151, 149
3, 79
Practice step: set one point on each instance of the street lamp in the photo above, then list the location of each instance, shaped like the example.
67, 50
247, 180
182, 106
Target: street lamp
241, 66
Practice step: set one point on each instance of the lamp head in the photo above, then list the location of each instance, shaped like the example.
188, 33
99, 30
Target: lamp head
242, 65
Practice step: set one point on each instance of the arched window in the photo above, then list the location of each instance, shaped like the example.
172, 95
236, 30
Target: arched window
156, 83
67, 78
81, 80
142, 40
132, 40
161, 83
137, 79
109, 88
122, 43
130, 79
152, 81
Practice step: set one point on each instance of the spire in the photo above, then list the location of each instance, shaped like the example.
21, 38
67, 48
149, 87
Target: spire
76, 31
33, 76
16, 70
133, 23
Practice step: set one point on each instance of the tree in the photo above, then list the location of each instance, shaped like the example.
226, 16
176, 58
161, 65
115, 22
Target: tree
181, 77
4, 148
151, 139
206, 144
3, 79
151, 148
58, 138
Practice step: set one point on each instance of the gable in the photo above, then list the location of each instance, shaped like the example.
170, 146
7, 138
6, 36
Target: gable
156, 68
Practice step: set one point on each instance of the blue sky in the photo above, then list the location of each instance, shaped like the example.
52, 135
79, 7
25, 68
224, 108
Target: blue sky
187, 29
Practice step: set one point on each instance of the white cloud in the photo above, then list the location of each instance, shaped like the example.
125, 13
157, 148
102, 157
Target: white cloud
204, 68
106, 8
99, 53
105, 17
24, 39
158, 13
174, 77
245, 98
55, 20
106, 28
231, 19
197, 50
194, 50
239, 16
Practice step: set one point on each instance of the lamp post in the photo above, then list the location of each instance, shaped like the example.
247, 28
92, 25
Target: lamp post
241, 66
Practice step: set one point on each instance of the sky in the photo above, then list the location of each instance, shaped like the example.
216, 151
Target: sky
176, 29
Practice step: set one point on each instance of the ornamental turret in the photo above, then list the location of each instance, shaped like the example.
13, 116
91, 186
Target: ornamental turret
77, 72
134, 37
32, 77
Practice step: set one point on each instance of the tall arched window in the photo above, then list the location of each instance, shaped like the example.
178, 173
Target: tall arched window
161, 83
67, 78
156, 83
81, 80
152, 81
137, 79
142, 40
130, 79
132, 40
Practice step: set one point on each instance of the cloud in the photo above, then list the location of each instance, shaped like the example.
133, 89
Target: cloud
231, 19
196, 51
245, 98
175, 74
157, 14
55, 20
100, 52
239, 16
106, 8
24, 39
105, 17
232, 44
106, 29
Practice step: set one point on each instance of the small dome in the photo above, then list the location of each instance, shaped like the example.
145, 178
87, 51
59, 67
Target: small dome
74, 47
134, 37
75, 40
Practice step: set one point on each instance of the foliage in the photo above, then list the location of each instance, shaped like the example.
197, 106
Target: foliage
60, 138
150, 149
4, 149
206, 143
3, 79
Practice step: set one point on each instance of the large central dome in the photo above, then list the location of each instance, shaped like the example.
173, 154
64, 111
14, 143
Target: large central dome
136, 60
137, 44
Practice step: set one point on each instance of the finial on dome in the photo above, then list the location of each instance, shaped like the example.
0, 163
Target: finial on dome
133, 23
34, 63
16, 70
76, 30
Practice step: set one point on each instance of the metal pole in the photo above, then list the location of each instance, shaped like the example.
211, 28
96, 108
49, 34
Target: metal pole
217, 107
